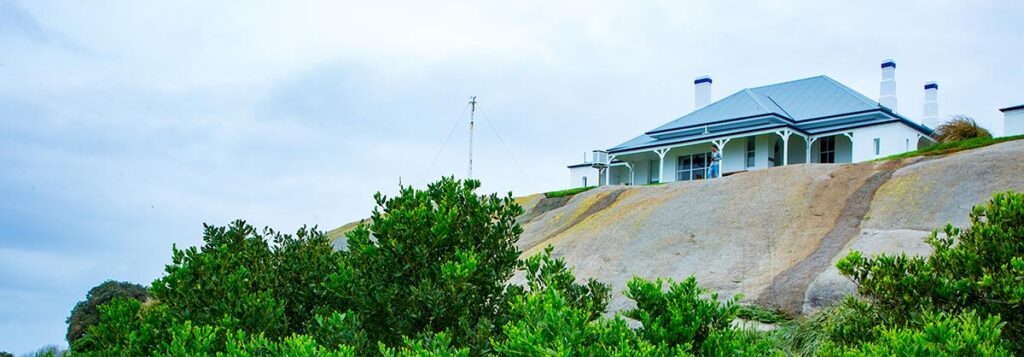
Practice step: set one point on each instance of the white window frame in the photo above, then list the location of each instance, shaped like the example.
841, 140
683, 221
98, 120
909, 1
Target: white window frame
878, 146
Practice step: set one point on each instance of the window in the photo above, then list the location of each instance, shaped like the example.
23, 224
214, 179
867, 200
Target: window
906, 146
692, 167
878, 146
750, 152
584, 181
827, 150
654, 171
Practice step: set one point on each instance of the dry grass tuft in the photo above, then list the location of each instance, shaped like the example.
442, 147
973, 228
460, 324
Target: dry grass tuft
960, 127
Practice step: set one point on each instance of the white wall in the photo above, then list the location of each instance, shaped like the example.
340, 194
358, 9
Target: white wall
893, 139
1013, 122
576, 175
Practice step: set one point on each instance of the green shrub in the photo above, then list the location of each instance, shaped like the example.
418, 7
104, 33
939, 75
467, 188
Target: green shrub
86, 312
979, 268
432, 261
960, 127
964, 335
568, 192
848, 323
544, 272
267, 283
682, 318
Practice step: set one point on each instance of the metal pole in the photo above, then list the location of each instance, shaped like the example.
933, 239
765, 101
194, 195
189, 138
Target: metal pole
472, 103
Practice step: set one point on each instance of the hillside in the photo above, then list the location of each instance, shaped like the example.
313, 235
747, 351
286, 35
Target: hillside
773, 235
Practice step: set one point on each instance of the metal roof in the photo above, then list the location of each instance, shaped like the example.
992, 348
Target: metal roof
810, 105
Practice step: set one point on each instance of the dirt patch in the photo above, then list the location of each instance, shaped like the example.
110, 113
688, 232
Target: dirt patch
787, 290
544, 205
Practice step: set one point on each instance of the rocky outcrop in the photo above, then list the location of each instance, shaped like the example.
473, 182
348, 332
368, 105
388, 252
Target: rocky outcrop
772, 235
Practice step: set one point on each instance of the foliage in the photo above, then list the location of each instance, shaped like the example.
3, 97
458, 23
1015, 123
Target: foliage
432, 261
952, 146
847, 323
568, 192
942, 335
760, 314
681, 318
960, 127
86, 312
45, 351
545, 272
980, 269
269, 283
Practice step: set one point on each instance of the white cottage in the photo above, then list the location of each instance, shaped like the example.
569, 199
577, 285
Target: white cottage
810, 120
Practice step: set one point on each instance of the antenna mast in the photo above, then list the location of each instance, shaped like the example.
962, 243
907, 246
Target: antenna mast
472, 104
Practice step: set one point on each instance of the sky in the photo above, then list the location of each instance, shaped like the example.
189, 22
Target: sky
125, 125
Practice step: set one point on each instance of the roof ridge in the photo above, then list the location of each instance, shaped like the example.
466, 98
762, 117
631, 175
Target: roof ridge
852, 92
791, 81
757, 100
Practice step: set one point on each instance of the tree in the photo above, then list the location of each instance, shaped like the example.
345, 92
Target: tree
86, 312
431, 261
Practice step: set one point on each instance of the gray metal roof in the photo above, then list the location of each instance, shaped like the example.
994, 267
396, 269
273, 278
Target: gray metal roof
810, 105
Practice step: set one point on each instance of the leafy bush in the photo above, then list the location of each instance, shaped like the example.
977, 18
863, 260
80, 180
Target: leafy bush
682, 319
432, 261
86, 312
269, 286
979, 269
942, 335
848, 323
960, 127
544, 272
568, 192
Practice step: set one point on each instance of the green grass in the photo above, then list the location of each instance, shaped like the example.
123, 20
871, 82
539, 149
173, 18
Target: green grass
761, 314
569, 192
951, 147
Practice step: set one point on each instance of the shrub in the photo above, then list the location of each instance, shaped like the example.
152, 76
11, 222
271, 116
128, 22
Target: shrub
267, 283
86, 312
942, 335
545, 272
980, 269
681, 318
960, 127
432, 261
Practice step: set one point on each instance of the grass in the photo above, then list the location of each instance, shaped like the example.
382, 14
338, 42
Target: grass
951, 147
569, 192
761, 314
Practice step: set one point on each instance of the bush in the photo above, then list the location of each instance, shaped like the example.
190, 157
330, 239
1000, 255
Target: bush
432, 261
979, 269
942, 335
268, 283
680, 318
960, 127
86, 312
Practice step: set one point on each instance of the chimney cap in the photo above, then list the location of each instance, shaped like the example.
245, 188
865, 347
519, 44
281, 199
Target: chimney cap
889, 63
931, 85
702, 79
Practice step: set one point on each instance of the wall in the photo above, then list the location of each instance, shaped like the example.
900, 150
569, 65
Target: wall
1013, 122
893, 140
576, 175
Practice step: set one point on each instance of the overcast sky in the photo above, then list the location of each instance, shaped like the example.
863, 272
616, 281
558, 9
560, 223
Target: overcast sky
124, 125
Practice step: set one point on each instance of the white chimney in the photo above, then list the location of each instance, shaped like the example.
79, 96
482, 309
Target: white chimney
888, 92
702, 94
931, 105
